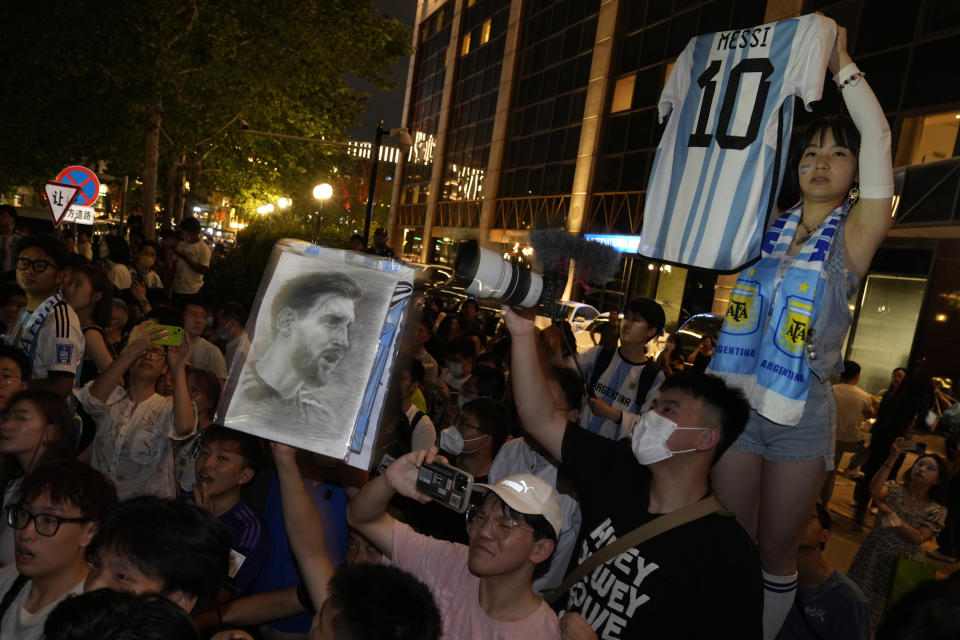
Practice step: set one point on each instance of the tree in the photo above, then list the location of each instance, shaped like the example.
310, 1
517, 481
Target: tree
159, 88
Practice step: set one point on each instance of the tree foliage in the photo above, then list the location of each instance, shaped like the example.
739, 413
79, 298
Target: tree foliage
82, 79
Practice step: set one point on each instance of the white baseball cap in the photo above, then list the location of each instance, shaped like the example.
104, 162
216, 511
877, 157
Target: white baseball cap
526, 493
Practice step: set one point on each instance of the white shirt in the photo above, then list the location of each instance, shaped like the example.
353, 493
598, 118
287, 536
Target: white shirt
185, 279
59, 344
18, 624
206, 355
516, 456
133, 444
120, 276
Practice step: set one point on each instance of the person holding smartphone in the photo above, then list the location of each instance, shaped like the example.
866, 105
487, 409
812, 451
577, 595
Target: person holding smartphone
910, 513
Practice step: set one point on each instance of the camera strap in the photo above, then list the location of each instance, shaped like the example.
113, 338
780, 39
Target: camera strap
689, 513
11, 594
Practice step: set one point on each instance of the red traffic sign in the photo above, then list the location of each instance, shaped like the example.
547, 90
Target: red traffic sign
86, 180
59, 198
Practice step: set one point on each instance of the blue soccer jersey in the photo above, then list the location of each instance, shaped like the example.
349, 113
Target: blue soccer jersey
718, 168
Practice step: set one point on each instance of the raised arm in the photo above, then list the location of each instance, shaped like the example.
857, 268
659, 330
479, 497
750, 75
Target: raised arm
367, 512
535, 403
184, 413
869, 219
304, 526
137, 345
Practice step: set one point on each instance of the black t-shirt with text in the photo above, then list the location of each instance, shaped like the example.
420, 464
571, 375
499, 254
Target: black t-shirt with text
698, 580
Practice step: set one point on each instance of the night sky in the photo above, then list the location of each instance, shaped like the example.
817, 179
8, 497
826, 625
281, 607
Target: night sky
385, 105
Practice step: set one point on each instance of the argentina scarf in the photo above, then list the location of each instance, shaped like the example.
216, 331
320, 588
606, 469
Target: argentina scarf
767, 326
31, 323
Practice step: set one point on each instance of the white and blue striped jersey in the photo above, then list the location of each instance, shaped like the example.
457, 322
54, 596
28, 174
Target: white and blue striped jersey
717, 171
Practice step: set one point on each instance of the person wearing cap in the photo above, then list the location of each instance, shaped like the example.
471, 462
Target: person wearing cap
624, 380
380, 246
484, 589
699, 579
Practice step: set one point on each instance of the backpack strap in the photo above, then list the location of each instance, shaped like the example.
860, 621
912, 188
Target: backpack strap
416, 420
599, 366
645, 381
12, 593
644, 532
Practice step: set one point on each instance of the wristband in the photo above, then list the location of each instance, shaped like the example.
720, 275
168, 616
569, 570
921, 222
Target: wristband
849, 76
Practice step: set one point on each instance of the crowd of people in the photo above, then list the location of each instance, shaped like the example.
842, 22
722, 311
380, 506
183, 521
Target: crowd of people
129, 512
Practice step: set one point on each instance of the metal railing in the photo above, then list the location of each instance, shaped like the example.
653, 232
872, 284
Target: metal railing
458, 213
412, 215
532, 212
619, 211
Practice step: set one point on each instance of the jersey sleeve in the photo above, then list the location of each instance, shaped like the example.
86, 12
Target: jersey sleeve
249, 558
60, 342
811, 52
677, 84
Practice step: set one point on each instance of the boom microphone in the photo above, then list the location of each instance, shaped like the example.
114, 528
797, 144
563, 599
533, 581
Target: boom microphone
484, 274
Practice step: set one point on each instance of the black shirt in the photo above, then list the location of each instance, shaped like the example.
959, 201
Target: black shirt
698, 580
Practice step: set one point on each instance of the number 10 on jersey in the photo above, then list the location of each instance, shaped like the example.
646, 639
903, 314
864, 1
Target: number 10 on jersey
700, 137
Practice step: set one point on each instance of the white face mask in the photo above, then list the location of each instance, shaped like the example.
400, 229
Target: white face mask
455, 369
650, 435
452, 441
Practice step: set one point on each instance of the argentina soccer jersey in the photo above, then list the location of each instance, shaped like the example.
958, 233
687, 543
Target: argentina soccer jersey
719, 165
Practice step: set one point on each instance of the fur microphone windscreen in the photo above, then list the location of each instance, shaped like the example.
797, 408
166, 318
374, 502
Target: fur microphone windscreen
594, 263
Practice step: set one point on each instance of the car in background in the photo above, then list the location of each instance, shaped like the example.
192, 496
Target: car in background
695, 327
430, 275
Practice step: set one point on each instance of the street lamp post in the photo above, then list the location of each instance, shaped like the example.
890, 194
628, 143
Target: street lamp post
322, 192
375, 160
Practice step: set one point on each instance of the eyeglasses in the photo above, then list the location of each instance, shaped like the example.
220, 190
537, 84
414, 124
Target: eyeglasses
501, 527
38, 266
7, 380
155, 354
45, 523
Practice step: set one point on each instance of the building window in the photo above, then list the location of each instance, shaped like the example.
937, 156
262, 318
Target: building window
485, 32
927, 138
465, 45
623, 94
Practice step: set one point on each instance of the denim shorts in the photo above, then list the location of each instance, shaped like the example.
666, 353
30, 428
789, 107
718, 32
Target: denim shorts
813, 437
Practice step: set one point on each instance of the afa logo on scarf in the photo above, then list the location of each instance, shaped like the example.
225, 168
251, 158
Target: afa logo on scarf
743, 312
793, 325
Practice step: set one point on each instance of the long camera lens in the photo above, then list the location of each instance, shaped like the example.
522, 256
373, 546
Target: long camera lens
487, 275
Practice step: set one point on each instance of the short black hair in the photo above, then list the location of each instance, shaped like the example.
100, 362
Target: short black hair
106, 614
490, 382
190, 224
60, 435
234, 311
148, 243
180, 544
19, 356
71, 482
649, 310
251, 447
10, 210
850, 370
462, 347
383, 602
47, 243
494, 419
119, 249
414, 366
728, 402
300, 293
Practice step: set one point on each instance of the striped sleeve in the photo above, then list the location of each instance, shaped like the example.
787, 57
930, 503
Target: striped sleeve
60, 345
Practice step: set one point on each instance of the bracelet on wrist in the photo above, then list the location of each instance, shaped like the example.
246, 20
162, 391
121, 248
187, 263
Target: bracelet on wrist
851, 81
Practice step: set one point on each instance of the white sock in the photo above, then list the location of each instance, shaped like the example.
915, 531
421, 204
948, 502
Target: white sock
778, 593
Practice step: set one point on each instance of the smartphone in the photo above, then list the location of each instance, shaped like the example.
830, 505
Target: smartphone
447, 485
385, 462
174, 335
915, 446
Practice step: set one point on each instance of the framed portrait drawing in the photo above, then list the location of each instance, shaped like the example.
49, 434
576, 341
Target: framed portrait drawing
323, 334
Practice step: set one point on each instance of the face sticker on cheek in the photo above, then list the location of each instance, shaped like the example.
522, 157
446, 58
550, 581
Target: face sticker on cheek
804, 169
